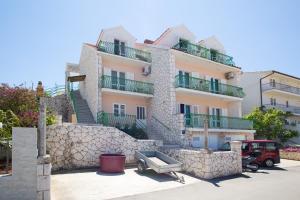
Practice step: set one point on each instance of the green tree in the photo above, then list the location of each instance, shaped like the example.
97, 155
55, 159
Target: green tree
271, 124
9, 120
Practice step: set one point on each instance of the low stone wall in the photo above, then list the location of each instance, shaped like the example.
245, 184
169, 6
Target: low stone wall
79, 146
208, 165
290, 155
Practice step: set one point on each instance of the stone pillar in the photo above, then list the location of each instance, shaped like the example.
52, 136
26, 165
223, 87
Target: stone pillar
236, 146
24, 154
43, 178
206, 133
42, 128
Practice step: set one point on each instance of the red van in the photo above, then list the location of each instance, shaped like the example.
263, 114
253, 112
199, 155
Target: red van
265, 151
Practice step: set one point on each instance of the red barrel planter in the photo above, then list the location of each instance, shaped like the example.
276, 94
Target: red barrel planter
112, 163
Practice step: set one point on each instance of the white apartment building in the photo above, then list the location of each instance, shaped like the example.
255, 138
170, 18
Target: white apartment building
273, 89
167, 86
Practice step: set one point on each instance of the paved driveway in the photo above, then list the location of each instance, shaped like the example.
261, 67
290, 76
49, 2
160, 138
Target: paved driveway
283, 182
91, 185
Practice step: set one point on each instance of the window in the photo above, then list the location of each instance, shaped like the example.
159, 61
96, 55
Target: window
183, 43
214, 85
257, 145
271, 146
213, 54
118, 80
272, 82
119, 109
273, 101
140, 112
184, 79
245, 147
119, 47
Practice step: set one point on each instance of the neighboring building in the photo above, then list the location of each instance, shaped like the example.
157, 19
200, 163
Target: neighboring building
167, 86
273, 89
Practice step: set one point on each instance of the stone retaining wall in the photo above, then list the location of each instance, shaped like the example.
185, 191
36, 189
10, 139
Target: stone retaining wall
290, 155
78, 146
208, 165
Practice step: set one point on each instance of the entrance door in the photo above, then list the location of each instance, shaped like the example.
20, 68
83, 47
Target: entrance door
117, 47
214, 85
186, 110
184, 79
122, 81
114, 79
141, 116
213, 142
215, 119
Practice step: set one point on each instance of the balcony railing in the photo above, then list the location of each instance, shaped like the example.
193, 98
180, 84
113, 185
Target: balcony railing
125, 51
285, 108
125, 85
208, 86
119, 121
282, 87
203, 52
217, 122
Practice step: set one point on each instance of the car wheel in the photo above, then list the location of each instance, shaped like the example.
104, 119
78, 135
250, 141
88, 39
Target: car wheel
141, 166
269, 163
255, 167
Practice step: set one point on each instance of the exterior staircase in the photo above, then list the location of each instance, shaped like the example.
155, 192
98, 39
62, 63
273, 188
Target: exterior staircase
83, 112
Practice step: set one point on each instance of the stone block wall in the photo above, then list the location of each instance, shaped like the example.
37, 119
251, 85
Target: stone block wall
208, 165
61, 106
290, 155
79, 146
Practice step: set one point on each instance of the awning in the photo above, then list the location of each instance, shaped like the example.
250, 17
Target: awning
76, 78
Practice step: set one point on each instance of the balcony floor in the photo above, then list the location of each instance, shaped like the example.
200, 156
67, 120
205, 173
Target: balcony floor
207, 94
126, 93
219, 130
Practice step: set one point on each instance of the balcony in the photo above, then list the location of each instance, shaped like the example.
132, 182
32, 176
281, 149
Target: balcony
127, 85
119, 121
291, 109
203, 52
281, 87
116, 49
217, 122
208, 86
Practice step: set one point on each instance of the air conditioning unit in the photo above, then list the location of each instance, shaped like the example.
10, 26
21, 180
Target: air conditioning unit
147, 71
229, 75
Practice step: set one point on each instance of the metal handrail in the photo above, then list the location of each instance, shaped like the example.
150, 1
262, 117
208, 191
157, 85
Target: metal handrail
125, 84
281, 86
129, 52
110, 119
197, 50
220, 122
289, 108
207, 86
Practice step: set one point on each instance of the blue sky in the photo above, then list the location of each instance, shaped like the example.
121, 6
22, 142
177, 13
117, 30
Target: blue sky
38, 37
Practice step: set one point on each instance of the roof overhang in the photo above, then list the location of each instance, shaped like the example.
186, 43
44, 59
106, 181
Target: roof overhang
76, 78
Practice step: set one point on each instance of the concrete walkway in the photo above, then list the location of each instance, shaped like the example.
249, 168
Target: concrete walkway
91, 185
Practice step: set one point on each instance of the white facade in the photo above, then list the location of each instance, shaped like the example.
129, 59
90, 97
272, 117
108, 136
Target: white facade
272, 89
133, 68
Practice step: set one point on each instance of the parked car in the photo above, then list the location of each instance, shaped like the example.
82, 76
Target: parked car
265, 151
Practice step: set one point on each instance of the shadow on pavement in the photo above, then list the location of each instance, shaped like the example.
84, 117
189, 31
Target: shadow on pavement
149, 173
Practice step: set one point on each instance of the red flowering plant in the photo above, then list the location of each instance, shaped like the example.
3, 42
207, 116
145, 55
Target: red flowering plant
23, 103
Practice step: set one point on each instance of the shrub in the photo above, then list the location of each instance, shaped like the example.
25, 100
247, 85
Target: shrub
9, 120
